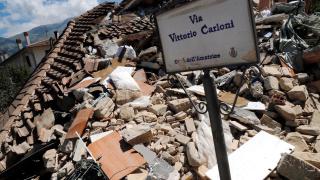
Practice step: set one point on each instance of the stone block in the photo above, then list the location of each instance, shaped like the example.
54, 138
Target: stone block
137, 134
299, 93
294, 168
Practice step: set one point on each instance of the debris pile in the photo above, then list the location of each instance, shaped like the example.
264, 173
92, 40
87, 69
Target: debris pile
101, 105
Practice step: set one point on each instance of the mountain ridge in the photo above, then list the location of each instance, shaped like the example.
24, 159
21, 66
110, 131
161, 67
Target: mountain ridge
36, 34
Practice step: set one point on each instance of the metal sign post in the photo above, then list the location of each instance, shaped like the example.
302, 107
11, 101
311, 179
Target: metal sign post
206, 34
216, 126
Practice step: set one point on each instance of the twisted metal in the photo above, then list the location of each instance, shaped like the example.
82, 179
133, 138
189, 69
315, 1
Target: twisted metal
253, 75
86, 167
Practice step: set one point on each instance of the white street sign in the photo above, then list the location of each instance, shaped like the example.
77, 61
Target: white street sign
208, 33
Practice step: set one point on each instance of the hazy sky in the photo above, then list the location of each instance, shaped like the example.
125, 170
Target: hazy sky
17, 16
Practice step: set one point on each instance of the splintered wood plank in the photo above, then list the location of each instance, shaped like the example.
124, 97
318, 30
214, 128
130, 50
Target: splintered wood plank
117, 157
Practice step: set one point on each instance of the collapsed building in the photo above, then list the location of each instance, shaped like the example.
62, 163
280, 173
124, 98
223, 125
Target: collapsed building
100, 105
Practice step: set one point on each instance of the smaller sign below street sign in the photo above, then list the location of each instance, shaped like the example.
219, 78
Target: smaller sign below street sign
208, 33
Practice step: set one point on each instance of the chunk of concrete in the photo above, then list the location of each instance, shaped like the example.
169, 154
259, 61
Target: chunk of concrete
312, 158
269, 122
190, 125
167, 157
137, 134
297, 141
182, 139
194, 158
50, 160
22, 132
125, 96
315, 119
126, 113
309, 130
286, 84
159, 109
45, 135
287, 112
104, 108
245, 116
21, 149
146, 116
238, 126
271, 71
271, 82
294, 168
180, 105
299, 93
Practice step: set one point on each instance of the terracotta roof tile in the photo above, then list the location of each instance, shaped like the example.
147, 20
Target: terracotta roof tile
62, 61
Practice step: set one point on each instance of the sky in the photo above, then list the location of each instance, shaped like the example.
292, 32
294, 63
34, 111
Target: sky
17, 16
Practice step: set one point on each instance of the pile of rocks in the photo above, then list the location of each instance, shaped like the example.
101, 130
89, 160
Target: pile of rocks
122, 89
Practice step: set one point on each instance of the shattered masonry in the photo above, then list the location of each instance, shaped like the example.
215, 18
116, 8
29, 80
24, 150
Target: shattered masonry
104, 82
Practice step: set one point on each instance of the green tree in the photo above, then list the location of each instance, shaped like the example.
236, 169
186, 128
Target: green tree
12, 78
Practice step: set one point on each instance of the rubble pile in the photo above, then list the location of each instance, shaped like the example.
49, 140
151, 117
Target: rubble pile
101, 98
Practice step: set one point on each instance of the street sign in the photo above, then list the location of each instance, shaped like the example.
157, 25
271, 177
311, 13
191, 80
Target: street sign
208, 33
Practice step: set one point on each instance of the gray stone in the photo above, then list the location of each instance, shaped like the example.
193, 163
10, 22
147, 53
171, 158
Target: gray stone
238, 126
182, 139
22, 132
125, 96
294, 168
179, 105
268, 121
297, 122
298, 141
21, 148
146, 116
287, 112
271, 71
190, 125
312, 158
299, 93
315, 119
308, 138
148, 52
245, 116
167, 157
159, 109
225, 79
180, 115
317, 144
126, 113
47, 119
178, 166
193, 155
104, 108
50, 161
45, 135
271, 82
137, 134
256, 89
286, 84
308, 129
99, 124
